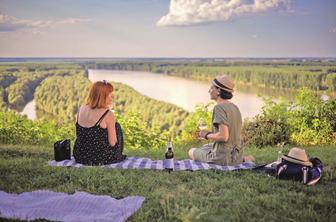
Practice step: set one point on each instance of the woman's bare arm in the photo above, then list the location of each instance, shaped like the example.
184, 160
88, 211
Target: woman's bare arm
111, 130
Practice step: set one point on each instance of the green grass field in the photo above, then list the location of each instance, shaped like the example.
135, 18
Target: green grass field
182, 196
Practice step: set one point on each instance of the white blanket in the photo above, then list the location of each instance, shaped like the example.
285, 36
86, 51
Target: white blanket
80, 206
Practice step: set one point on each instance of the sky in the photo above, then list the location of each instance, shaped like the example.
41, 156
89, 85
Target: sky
167, 28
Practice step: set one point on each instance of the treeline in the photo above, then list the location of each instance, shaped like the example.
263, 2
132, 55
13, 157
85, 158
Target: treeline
22, 90
146, 122
156, 114
18, 81
306, 121
58, 96
331, 81
59, 89
62, 96
317, 76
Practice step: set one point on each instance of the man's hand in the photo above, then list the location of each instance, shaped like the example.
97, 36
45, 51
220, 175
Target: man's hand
203, 134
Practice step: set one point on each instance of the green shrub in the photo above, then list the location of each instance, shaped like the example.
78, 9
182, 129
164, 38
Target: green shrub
138, 135
264, 132
268, 128
190, 127
312, 119
17, 129
306, 121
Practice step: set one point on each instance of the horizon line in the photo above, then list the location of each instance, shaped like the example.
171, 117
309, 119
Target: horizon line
168, 57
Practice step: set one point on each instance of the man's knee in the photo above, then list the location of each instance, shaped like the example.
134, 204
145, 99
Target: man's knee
191, 153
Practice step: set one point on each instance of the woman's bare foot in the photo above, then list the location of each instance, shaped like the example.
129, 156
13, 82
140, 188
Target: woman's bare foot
249, 158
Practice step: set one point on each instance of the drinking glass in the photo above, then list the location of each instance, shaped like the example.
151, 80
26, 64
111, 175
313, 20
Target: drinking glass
202, 124
279, 156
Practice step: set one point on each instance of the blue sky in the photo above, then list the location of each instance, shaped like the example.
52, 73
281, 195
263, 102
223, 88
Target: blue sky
167, 28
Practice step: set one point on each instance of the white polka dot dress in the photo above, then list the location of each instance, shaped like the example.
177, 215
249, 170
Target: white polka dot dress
92, 146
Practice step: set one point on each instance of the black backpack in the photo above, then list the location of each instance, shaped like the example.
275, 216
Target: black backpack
292, 171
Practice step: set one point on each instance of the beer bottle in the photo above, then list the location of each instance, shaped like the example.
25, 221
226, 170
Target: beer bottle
305, 175
168, 162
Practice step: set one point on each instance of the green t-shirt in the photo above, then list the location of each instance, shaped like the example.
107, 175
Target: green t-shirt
230, 152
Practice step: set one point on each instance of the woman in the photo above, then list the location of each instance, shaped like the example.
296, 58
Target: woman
96, 129
226, 127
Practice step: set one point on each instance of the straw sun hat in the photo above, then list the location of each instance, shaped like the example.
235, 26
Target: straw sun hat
298, 156
224, 82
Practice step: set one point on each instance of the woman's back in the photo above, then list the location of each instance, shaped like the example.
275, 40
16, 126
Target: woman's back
88, 117
92, 146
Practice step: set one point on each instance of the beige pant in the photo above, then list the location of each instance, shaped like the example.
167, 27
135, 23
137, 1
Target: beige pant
203, 153
228, 157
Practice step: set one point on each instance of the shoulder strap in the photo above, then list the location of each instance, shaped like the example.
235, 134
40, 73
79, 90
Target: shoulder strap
78, 114
102, 117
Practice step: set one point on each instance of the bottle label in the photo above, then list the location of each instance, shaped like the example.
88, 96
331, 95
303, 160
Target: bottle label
168, 163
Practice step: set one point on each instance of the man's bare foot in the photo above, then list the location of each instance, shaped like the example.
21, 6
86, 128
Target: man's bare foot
249, 158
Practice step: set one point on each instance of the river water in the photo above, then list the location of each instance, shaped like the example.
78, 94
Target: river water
184, 93
29, 110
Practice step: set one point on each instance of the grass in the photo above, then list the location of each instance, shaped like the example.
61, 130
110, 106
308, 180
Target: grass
182, 196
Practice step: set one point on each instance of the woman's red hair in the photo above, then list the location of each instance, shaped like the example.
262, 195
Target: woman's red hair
98, 94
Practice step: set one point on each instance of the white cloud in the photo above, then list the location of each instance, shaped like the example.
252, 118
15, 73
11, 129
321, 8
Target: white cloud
12, 24
71, 21
192, 12
332, 30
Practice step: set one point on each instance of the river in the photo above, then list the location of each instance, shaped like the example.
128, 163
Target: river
29, 110
185, 93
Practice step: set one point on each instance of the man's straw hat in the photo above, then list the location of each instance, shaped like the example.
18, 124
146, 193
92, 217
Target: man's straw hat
298, 156
224, 82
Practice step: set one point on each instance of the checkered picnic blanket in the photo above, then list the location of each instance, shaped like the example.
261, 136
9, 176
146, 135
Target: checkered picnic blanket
146, 163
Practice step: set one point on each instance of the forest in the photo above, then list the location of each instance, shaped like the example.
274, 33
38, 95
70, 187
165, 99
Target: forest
317, 76
19, 81
60, 88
